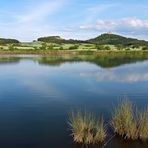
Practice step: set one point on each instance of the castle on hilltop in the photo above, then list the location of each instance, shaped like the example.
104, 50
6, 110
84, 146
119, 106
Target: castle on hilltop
109, 32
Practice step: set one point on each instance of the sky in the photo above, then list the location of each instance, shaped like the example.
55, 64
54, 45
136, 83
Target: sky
26, 20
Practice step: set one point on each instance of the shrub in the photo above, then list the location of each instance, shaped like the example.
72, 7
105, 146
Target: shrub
61, 48
99, 47
127, 49
107, 48
145, 48
50, 47
74, 47
1, 48
35, 48
44, 46
11, 47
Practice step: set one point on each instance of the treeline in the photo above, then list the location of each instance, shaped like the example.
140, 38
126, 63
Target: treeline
8, 41
104, 39
59, 40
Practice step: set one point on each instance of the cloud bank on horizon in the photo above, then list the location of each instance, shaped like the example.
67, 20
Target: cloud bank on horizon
29, 19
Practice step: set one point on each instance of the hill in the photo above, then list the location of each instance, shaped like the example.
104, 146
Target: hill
114, 39
59, 40
8, 41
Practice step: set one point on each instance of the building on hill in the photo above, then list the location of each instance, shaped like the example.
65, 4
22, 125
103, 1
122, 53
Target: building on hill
109, 32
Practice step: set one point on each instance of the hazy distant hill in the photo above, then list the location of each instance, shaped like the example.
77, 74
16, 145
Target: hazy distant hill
8, 41
58, 40
114, 39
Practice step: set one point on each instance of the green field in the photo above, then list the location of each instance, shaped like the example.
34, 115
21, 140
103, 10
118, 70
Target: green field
104, 42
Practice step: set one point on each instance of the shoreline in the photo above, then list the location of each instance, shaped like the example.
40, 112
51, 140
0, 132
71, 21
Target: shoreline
73, 52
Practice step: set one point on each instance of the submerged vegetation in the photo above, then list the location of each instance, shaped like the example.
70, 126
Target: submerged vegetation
127, 122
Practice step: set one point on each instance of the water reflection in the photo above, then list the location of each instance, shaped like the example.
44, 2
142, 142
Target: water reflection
9, 60
104, 61
37, 93
126, 74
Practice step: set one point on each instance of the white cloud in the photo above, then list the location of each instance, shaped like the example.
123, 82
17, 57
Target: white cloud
117, 77
133, 27
127, 26
129, 74
114, 24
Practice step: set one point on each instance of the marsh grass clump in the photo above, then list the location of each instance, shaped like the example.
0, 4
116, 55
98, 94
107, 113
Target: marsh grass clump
123, 121
130, 123
143, 125
100, 134
85, 129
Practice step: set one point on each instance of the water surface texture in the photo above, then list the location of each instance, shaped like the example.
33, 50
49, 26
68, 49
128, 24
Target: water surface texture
37, 93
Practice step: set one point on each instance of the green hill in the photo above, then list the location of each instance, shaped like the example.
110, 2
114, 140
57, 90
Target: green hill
114, 39
104, 39
8, 41
59, 40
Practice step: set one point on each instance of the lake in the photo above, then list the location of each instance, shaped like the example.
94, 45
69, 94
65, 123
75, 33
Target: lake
38, 92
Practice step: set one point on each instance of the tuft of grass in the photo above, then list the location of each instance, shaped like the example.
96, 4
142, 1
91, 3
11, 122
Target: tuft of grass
85, 129
143, 125
123, 121
100, 134
129, 123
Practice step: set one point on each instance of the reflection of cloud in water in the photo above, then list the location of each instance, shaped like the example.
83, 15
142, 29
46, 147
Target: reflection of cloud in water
131, 73
41, 88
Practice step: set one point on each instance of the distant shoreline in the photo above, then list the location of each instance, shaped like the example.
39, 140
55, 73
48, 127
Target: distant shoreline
74, 52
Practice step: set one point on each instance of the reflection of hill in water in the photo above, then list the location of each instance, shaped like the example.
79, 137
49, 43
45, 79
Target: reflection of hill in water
102, 61
9, 60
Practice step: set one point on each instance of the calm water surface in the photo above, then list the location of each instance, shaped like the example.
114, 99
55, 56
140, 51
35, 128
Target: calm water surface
37, 93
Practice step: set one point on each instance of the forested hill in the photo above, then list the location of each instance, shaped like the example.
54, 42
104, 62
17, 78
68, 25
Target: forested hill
8, 41
58, 40
103, 39
114, 39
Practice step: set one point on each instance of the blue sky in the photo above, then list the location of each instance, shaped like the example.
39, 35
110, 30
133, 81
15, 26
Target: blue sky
27, 20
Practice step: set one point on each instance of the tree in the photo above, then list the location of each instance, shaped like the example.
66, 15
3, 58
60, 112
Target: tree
107, 48
11, 47
145, 48
99, 47
74, 47
44, 46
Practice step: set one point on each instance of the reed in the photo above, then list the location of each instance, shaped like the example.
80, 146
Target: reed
143, 125
123, 121
100, 134
130, 123
85, 129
